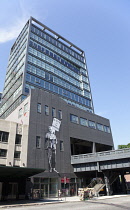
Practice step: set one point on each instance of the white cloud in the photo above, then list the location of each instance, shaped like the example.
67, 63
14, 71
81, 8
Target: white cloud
17, 20
15, 23
10, 33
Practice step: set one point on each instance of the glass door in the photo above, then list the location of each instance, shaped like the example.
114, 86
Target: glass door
44, 190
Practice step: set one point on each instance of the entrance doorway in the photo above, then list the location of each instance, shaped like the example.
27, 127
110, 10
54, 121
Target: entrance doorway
13, 190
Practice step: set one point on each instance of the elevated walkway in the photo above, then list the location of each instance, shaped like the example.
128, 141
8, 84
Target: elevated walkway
107, 160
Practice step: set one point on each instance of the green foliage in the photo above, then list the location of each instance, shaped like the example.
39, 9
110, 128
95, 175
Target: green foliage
124, 146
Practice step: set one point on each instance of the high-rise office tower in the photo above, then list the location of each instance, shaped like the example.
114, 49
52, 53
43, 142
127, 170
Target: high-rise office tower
0, 97
48, 127
41, 58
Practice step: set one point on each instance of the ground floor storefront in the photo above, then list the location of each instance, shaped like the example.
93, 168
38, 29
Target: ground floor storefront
30, 183
54, 186
13, 190
14, 182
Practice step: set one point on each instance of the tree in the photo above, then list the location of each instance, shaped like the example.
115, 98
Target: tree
124, 146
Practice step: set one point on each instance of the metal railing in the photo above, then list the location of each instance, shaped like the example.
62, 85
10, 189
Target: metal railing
96, 155
94, 182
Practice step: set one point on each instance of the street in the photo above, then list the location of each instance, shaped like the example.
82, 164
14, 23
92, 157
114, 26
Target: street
104, 204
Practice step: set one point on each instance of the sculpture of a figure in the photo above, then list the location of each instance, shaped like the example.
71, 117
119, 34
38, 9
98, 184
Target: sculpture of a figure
51, 142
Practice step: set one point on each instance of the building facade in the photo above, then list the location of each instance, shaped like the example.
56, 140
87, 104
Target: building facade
12, 155
41, 58
80, 132
11, 136
0, 98
47, 97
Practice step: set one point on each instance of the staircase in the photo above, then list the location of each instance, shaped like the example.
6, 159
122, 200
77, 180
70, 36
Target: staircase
97, 184
98, 188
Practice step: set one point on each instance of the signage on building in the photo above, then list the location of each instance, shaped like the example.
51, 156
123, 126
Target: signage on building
65, 180
56, 124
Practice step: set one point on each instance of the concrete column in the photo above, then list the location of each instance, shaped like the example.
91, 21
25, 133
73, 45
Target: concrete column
98, 167
76, 186
123, 183
93, 147
106, 178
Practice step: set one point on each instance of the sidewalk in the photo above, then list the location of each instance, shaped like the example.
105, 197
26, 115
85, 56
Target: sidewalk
7, 204
108, 197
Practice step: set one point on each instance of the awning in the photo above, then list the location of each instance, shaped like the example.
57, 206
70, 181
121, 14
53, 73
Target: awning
9, 172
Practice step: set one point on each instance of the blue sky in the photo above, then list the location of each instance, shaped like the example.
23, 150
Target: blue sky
102, 29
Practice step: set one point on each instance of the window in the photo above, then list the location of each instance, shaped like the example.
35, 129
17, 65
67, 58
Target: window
83, 121
3, 152
46, 76
39, 108
20, 112
106, 129
92, 124
61, 146
60, 114
18, 139
74, 119
38, 142
4, 136
17, 154
53, 112
46, 110
51, 78
100, 127
44, 180
36, 180
25, 108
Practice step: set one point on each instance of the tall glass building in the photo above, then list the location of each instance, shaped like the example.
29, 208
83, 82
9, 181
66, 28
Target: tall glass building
0, 97
30, 134
41, 58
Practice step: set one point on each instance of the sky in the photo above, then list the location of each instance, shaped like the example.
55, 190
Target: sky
102, 29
